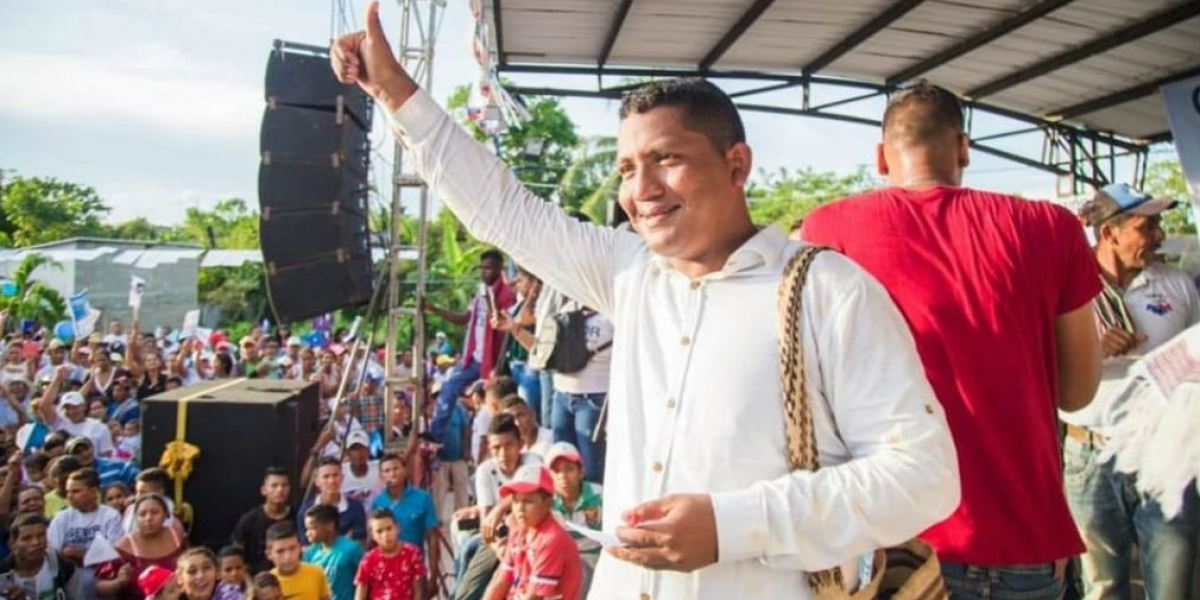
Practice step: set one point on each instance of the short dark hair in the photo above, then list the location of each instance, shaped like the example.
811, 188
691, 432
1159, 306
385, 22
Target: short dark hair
492, 254
396, 456
281, 531
25, 520
155, 475
322, 513
87, 476
511, 400
921, 111
276, 472
266, 579
706, 108
383, 513
231, 552
504, 423
502, 386
64, 465
329, 461
37, 462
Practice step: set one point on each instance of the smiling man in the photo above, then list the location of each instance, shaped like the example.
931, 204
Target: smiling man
700, 490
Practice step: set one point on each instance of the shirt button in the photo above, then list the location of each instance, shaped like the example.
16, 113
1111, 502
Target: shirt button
695, 285
644, 597
670, 403
685, 340
657, 466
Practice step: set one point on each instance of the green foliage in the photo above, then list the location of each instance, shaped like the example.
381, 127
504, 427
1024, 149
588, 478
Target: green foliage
549, 125
786, 196
34, 299
36, 210
590, 182
1164, 179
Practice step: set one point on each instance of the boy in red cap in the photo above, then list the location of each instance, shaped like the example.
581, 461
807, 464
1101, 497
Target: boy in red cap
541, 559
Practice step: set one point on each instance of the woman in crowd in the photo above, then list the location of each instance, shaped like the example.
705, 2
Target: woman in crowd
197, 573
151, 543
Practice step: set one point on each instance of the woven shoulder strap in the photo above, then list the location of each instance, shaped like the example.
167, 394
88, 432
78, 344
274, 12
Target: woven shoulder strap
798, 417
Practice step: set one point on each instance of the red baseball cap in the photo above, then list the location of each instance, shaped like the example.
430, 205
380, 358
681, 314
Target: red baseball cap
153, 579
529, 478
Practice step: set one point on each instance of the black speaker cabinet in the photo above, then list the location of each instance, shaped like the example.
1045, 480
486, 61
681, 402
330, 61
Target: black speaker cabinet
242, 426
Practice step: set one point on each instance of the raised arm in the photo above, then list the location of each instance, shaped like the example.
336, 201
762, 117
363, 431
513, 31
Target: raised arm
576, 258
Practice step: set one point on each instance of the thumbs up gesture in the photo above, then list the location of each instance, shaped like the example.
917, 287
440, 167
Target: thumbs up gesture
365, 58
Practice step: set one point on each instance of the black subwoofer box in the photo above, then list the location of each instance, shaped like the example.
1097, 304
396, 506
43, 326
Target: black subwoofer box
241, 427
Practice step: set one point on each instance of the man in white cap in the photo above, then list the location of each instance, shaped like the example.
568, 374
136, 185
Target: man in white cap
1144, 304
360, 475
13, 410
540, 560
73, 418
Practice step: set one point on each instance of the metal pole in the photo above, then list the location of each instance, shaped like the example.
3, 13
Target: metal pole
418, 31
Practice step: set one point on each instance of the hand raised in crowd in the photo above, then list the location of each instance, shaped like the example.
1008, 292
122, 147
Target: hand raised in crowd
502, 322
366, 58
673, 533
1117, 341
62, 373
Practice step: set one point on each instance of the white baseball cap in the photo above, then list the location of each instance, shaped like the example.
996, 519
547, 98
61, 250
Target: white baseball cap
358, 437
72, 399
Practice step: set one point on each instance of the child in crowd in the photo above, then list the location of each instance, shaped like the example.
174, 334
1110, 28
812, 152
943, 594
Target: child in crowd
158, 583
231, 564
197, 574
496, 389
576, 501
297, 581
36, 466
131, 441
116, 495
72, 530
337, 555
152, 481
392, 570
266, 587
540, 559
60, 469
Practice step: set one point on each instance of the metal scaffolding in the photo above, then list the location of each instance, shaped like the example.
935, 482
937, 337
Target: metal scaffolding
419, 25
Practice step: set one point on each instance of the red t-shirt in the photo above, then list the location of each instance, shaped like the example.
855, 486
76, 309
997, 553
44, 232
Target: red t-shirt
981, 277
546, 564
391, 577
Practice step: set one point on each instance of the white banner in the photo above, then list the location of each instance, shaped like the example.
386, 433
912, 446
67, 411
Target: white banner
137, 288
1183, 113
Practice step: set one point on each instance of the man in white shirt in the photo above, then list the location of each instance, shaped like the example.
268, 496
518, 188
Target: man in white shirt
705, 502
1144, 304
74, 417
73, 529
534, 439
360, 475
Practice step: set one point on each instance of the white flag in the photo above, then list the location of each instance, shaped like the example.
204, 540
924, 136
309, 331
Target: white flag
137, 287
87, 325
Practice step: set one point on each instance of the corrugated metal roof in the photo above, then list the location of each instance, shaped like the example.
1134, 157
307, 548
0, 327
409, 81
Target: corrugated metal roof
1053, 54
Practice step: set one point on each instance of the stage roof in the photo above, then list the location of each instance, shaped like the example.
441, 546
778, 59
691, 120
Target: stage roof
1095, 63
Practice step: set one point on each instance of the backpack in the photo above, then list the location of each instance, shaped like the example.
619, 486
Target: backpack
561, 343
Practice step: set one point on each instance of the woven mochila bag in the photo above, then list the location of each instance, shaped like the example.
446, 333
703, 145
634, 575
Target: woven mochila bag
909, 571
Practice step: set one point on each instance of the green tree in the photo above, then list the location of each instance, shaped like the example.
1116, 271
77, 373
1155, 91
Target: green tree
539, 150
239, 292
1164, 179
590, 184
786, 196
34, 299
36, 210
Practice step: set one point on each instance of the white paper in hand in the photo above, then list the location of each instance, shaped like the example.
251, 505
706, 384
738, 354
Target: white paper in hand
100, 552
606, 540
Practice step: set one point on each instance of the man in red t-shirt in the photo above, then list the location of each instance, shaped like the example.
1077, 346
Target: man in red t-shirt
997, 292
540, 560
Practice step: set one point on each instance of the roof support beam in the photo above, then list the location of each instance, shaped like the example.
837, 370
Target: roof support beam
731, 37
860, 35
614, 30
1122, 96
985, 37
496, 12
1104, 43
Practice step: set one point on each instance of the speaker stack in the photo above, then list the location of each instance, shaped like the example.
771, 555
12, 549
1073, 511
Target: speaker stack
312, 186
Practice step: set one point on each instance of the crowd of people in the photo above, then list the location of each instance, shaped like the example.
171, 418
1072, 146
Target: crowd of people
968, 355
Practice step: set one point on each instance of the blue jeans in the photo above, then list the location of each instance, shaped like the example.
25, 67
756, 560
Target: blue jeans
547, 389
1112, 516
452, 389
465, 553
574, 420
1017, 582
529, 384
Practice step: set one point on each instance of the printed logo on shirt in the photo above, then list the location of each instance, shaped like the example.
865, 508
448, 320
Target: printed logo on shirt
80, 537
1159, 305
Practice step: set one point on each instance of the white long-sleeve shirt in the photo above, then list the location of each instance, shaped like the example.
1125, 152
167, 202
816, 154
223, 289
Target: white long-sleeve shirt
695, 401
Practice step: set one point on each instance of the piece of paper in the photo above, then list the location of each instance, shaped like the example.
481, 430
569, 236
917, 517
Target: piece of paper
191, 322
137, 287
100, 552
1173, 363
606, 540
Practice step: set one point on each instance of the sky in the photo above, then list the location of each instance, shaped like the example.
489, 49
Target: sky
157, 104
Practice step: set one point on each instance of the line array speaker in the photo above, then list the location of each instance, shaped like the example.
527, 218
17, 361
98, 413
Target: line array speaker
312, 186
